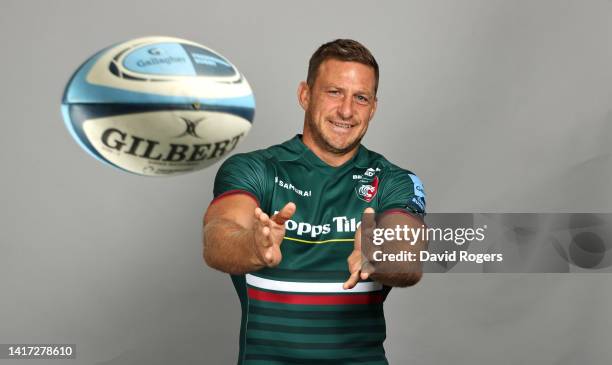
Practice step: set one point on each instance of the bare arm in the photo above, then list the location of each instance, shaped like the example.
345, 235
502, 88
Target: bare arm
400, 274
404, 273
239, 238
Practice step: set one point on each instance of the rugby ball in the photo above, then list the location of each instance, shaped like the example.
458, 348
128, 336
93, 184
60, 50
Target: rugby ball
158, 106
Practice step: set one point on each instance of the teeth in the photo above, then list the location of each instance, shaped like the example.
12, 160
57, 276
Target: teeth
346, 126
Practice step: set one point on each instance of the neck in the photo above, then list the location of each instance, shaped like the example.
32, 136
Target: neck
330, 158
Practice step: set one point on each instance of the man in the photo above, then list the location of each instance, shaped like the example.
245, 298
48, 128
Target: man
284, 223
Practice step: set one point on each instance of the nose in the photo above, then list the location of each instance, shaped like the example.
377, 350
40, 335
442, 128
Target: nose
345, 110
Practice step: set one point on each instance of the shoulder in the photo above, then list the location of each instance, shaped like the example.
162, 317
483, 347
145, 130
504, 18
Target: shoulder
246, 159
251, 172
385, 168
399, 186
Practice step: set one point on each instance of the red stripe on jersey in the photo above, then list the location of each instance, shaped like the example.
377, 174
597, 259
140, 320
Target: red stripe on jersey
232, 192
370, 298
403, 212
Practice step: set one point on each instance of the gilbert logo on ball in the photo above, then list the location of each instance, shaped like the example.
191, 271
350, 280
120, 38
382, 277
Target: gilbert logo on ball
158, 106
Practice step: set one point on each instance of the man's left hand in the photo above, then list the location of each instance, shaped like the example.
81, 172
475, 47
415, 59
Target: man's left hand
358, 265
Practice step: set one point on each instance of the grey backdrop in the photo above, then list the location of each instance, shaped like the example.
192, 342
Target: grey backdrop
499, 106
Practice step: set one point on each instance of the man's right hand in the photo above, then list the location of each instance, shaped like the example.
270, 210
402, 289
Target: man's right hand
269, 233
239, 238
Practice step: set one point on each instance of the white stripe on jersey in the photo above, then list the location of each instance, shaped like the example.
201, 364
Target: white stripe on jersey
301, 287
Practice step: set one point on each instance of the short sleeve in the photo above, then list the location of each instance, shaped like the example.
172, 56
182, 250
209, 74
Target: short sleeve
401, 189
241, 173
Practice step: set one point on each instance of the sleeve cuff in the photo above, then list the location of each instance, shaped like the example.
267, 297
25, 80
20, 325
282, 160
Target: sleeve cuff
233, 192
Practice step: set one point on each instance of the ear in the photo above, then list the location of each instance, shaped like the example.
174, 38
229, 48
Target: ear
303, 94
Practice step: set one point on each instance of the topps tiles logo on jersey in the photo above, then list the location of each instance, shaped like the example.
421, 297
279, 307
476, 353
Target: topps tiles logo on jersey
339, 224
367, 186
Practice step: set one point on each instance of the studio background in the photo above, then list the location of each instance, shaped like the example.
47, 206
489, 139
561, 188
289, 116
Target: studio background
498, 106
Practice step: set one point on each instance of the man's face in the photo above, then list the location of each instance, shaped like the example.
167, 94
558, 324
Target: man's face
339, 105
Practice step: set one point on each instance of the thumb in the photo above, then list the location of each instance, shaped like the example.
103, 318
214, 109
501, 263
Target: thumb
284, 214
364, 231
367, 269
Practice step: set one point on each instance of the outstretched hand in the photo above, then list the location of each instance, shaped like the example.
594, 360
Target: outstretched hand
269, 233
358, 265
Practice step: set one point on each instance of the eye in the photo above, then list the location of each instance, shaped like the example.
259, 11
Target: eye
362, 99
333, 92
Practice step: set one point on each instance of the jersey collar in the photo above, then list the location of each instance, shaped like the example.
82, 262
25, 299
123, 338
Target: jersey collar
300, 150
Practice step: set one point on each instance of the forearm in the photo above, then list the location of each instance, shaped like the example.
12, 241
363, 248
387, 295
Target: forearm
229, 247
398, 273
397, 279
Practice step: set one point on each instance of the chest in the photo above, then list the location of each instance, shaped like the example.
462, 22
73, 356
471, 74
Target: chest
327, 203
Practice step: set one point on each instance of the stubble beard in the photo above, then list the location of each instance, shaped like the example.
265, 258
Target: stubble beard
321, 141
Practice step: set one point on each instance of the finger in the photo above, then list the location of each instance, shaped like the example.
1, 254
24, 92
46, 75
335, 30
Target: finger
258, 212
368, 218
273, 256
364, 233
352, 280
367, 269
265, 240
268, 256
263, 218
367, 235
367, 224
354, 267
285, 214
357, 240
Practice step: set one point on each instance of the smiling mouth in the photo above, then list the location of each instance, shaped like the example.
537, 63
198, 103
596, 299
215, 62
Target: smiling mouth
342, 125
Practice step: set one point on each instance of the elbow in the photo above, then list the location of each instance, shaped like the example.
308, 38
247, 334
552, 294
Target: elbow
215, 259
207, 252
210, 259
410, 279
402, 280
414, 278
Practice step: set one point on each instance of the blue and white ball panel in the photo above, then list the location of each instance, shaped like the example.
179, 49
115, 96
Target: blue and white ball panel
161, 59
178, 72
177, 59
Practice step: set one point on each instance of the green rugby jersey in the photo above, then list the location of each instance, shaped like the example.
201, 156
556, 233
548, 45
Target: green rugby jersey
297, 312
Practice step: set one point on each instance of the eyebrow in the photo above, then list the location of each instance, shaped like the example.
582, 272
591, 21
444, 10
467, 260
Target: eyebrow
370, 94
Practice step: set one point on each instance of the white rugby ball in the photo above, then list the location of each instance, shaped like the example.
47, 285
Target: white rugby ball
158, 106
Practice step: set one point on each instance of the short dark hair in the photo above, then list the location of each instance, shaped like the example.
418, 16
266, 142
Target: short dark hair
343, 50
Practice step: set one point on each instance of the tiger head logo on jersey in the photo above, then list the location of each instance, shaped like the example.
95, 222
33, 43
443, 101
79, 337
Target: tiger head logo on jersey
367, 187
